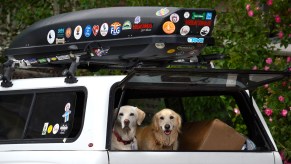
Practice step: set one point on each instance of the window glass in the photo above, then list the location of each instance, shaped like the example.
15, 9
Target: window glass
53, 115
14, 110
208, 122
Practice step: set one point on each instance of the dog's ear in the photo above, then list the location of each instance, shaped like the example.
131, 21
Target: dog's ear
140, 116
179, 122
155, 122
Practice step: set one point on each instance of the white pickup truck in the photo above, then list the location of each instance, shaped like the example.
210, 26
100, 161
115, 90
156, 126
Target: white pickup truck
69, 119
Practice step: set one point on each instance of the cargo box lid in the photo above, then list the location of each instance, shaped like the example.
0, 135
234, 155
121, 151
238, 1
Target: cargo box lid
116, 36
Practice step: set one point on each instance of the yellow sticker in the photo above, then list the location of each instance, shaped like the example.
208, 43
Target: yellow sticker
170, 51
50, 128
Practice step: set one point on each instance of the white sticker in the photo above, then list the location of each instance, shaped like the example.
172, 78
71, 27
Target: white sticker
51, 36
231, 80
174, 18
160, 45
67, 113
78, 32
184, 30
204, 31
186, 15
104, 29
44, 129
56, 128
162, 12
137, 20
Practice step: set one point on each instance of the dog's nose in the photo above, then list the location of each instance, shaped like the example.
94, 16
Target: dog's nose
126, 121
167, 126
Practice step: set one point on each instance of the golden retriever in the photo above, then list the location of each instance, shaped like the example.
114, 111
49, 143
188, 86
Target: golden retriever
124, 129
162, 133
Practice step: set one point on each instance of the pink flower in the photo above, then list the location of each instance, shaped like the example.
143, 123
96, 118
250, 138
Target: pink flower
284, 112
280, 34
281, 98
288, 59
266, 86
266, 68
277, 19
284, 83
255, 67
236, 111
248, 6
250, 13
269, 61
270, 119
268, 111
289, 69
269, 2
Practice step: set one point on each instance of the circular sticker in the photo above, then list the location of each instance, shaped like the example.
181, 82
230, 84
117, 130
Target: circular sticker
170, 51
186, 15
51, 36
169, 27
49, 129
104, 29
137, 20
56, 128
78, 32
68, 32
204, 31
174, 18
160, 45
184, 30
162, 12
88, 31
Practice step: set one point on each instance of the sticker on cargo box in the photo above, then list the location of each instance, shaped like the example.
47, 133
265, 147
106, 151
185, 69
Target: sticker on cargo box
204, 31
162, 12
78, 32
169, 27
174, 18
160, 45
231, 80
51, 36
104, 29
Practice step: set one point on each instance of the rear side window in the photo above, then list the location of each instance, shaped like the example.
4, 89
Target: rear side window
14, 111
42, 114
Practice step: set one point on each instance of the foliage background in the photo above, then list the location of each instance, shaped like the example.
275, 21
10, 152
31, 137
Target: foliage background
246, 31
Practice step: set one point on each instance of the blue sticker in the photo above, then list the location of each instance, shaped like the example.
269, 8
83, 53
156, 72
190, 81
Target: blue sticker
208, 16
115, 28
195, 40
88, 31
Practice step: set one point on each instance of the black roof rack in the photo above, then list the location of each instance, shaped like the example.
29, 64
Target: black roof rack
117, 37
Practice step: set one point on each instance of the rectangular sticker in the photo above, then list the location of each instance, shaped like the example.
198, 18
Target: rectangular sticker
44, 129
231, 80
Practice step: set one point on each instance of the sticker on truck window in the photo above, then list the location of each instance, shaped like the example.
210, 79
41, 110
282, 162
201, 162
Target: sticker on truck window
44, 129
67, 113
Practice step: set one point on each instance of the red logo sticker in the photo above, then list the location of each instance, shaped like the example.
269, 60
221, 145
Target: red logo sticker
95, 30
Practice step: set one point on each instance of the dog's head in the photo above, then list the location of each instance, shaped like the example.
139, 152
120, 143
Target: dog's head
130, 116
167, 121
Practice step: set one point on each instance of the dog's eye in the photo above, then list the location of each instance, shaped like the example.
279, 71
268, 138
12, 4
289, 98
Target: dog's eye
161, 118
131, 114
171, 117
120, 114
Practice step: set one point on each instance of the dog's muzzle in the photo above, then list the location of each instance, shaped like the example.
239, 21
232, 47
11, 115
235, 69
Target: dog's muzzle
167, 130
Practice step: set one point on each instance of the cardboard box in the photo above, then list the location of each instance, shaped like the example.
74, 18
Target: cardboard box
210, 135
